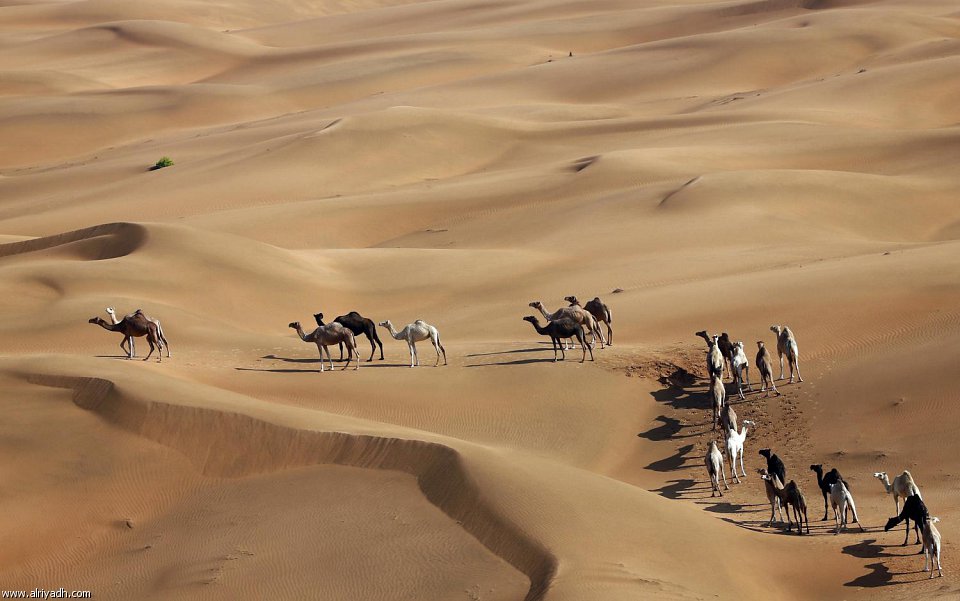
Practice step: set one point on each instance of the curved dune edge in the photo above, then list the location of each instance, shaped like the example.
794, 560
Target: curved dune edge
222, 444
125, 238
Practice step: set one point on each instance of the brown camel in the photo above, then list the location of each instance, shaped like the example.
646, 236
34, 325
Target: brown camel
332, 333
577, 314
134, 326
599, 310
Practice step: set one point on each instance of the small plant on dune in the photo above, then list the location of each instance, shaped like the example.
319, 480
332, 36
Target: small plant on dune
163, 162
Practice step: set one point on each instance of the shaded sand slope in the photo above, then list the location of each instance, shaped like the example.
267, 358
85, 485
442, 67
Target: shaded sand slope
465, 481
725, 165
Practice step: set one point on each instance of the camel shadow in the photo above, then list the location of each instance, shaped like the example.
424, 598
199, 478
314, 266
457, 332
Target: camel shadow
515, 351
676, 488
672, 463
670, 428
517, 362
680, 398
725, 507
292, 359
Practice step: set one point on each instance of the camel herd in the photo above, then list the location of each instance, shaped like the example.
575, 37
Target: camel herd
723, 355
574, 323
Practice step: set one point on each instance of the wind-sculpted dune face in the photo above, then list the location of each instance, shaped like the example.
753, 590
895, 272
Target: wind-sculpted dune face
716, 166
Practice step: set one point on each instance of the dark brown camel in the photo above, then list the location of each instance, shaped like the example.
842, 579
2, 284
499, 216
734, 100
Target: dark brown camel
358, 324
599, 310
825, 482
136, 326
559, 330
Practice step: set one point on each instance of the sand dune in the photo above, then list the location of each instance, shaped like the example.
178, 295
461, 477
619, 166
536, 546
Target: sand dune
721, 165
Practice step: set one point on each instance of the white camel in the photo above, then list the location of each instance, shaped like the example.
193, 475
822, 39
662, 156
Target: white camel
903, 486
741, 367
577, 314
841, 500
787, 345
735, 442
131, 353
413, 333
714, 462
931, 545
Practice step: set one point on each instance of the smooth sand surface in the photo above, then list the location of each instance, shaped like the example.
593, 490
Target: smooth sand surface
721, 165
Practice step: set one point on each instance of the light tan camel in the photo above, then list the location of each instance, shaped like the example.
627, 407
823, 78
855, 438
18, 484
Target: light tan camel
135, 326
324, 336
790, 496
577, 314
787, 345
765, 367
415, 332
714, 462
599, 310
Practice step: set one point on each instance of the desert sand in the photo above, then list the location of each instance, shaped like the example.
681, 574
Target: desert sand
725, 165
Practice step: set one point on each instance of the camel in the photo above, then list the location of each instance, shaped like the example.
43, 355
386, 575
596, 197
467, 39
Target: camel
774, 464
578, 315
735, 442
913, 509
790, 496
358, 324
326, 335
136, 326
825, 483
715, 360
714, 461
728, 417
741, 367
841, 500
130, 350
765, 367
718, 393
903, 486
723, 342
413, 333
931, 545
771, 485
787, 345
600, 312
558, 331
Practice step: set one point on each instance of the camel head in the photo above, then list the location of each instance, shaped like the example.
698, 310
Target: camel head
738, 345
762, 471
95, 320
318, 317
385, 324
536, 304
531, 319
880, 475
759, 343
776, 329
295, 325
765, 453
817, 467
890, 524
571, 299
111, 311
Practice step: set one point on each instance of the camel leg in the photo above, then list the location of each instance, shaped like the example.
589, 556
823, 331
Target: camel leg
609, 334
743, 472
825, 506
554, 341
591, 354
733, 468
123, 347
781, 364
373, 347
906, 537
796, 362
349, 357
746, 369
413, 354
724, 476
340, 346
150, 342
